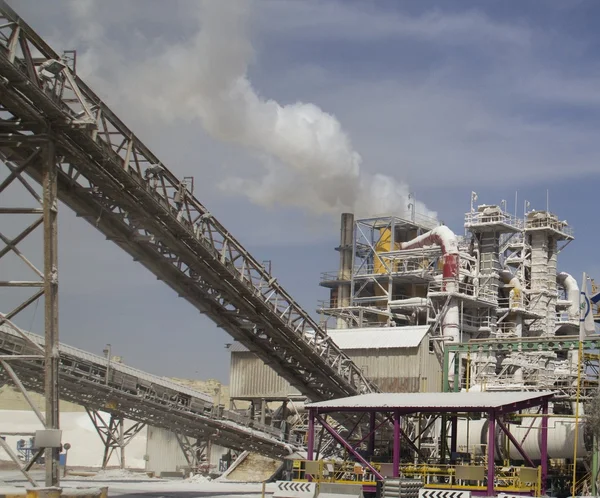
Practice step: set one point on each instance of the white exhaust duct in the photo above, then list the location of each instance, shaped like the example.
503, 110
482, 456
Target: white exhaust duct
515, 298
445, 238
572, 289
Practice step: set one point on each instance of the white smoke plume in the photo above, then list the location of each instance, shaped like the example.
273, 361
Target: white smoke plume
309, 160
313, 165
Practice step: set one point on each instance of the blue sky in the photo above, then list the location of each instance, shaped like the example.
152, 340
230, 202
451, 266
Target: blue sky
448, 97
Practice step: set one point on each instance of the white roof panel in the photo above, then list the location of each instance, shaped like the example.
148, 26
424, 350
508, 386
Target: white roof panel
443, 401
380, 337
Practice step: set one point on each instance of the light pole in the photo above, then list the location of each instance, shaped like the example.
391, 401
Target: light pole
107, 353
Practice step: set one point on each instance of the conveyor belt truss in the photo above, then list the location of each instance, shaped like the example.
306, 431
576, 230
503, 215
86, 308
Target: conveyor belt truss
142, 397
110, 178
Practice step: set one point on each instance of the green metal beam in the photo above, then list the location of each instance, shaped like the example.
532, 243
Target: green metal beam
525, 344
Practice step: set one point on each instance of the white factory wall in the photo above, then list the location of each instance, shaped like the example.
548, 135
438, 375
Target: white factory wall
78, 430
163, 453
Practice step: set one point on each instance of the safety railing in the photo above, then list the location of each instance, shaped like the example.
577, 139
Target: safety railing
332, 276
518, 299
399, 266
451, 285
549, 223
469, 475
492, 215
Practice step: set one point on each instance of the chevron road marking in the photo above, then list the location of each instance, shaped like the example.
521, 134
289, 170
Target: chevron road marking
442, 493
290, 489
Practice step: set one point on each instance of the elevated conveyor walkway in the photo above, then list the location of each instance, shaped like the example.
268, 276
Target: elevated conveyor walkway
89, 380
111, 179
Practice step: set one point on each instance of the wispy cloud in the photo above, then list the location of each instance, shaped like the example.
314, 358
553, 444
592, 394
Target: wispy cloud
365, 21
491, 107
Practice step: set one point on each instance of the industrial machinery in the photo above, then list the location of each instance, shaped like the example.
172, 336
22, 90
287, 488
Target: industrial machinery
499, 315
406, 289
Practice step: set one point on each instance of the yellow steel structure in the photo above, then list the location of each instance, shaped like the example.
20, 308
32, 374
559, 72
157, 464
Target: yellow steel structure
384, 244
509, 479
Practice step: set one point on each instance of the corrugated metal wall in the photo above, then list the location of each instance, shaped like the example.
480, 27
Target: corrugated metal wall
249, 377
405, 370
393, 370
164, 454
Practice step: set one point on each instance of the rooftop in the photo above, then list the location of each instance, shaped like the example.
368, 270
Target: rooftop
416, 402
379, 337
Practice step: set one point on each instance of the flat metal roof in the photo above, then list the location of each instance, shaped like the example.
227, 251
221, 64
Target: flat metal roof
379, 337
407, 402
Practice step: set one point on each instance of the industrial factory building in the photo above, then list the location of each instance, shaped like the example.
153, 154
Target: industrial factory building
456, 358
420, 308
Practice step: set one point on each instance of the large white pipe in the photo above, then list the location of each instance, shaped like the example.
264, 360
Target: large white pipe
445, 238
472, 438
515, 298
572, 288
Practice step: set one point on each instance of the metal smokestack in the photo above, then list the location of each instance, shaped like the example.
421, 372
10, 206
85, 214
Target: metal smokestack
345, 271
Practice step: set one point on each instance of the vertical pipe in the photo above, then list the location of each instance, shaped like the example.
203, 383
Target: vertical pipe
443, 439
50, 209
311, 435
544, 445
371, 447
456, 377
491, 452
445, 371
595, 466
577, 398
122, 440
396, 456
390, 288
454, 434
346, 260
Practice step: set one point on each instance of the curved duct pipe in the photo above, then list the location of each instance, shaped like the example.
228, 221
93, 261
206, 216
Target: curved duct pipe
445, 238
514, 298
572, 288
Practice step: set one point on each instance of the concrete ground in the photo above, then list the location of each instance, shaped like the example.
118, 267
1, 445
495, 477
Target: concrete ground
151, 488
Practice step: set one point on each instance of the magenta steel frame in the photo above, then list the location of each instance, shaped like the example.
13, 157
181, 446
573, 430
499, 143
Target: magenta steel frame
394, 414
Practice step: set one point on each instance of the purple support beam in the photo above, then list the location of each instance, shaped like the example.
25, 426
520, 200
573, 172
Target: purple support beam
371, 434
491, 452
311, 435
371, 447
348, 447
544, 445
396, 456
355, 426
514, 441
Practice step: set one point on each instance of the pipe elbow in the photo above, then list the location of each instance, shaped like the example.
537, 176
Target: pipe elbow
509, 279
447, 239
567, 281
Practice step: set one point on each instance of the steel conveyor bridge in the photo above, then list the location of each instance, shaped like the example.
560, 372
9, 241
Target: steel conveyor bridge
107, 176
127, 392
